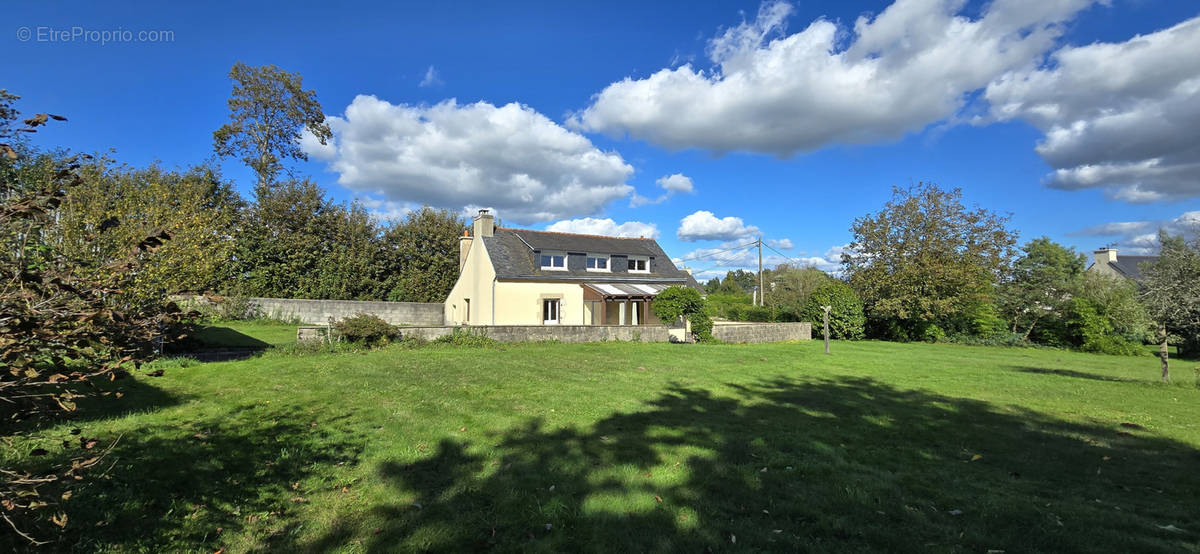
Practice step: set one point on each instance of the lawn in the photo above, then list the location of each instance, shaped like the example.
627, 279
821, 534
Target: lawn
645, 447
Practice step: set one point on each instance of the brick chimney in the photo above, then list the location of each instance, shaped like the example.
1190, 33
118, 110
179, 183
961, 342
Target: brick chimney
464, 246
485, 224
1105, 255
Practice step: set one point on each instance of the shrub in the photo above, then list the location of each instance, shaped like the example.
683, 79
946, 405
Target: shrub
677, 301
846, 319
701, 326
235, 308
366, 329
933, 333
1094, 332
465, 337
757, 313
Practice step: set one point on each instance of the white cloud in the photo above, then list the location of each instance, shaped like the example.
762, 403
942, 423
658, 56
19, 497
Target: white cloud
774, 92
385, 210
1117, 116
431, 79
1141, 237
717, 261
677, 182
671, 184
703, 225
781, 244
509, 157
606, 227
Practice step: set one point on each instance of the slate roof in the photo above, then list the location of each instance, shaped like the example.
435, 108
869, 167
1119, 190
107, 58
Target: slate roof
515, 256
1130, 266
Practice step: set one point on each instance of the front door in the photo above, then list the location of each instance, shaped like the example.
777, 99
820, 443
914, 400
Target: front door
549, 312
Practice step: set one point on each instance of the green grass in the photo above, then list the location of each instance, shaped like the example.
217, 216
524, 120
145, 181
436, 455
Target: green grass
645, 447
246, 334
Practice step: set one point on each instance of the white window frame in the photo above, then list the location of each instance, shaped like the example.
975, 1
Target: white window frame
552, 255
607, 262
557, 311
645, 259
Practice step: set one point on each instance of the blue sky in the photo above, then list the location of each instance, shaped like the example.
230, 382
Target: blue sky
1079, 118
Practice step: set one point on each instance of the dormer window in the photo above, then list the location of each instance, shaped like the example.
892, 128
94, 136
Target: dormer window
639, 264
554, 261
597, 262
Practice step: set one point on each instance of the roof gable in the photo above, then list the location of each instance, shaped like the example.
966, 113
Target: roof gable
1130, 266
514, 255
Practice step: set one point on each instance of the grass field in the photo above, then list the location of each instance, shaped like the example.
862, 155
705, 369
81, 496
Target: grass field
645, 447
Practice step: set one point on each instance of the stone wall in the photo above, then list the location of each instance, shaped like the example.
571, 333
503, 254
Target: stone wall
763, 332
319, 311
561, 333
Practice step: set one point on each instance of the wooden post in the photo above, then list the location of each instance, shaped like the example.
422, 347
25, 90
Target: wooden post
826, 308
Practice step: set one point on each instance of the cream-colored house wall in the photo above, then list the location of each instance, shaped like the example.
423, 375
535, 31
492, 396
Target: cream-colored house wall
520, 302
474, 283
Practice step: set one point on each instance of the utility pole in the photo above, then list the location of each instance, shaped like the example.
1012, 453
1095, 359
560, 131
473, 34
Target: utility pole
762, 292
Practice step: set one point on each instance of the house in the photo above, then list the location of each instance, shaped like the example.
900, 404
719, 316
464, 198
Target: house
524, 277
1129, 267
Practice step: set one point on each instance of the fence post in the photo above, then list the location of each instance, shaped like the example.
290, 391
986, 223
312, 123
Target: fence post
826, 308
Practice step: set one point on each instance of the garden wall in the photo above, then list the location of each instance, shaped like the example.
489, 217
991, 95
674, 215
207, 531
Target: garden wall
561, 333
319, 311
762, 332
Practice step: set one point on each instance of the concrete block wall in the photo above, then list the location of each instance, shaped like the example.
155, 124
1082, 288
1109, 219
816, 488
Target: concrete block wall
319, 311
763, 332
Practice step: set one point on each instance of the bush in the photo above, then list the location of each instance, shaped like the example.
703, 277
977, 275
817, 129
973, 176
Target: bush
465, 337
757, 313
846, 319
701, 326
933, 333
677, 301
368, 329
1094, 332
997, 339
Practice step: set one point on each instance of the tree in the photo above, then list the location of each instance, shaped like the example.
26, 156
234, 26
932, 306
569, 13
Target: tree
1171, 293
268, 110
420, 256
1042, 283
65, 323
924, 260
282, 238
846, 319
743, 280
713, 285
195, 204
789, 287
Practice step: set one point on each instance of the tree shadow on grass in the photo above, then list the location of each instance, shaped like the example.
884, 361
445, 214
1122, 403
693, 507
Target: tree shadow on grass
1072, 373
214, 343
788, 465
180, 487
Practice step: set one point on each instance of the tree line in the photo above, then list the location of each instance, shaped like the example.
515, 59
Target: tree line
926, 267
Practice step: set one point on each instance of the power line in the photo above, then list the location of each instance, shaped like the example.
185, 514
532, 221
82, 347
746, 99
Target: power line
739, 247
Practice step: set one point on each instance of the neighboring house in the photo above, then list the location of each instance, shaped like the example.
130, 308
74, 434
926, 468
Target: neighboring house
1107, 263
524, 277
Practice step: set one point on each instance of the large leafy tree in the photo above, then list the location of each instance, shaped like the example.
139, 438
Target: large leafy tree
296, 243
925, 259
65, 321
1041, 286
195, 204
420, 256
789, 287
1171, 293
268, 111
